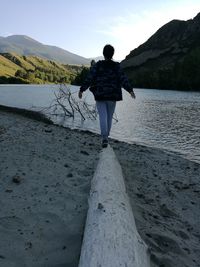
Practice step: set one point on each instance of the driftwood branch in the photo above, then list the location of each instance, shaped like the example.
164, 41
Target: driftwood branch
66, 104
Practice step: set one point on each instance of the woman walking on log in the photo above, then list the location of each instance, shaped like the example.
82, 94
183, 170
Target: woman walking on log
106, 80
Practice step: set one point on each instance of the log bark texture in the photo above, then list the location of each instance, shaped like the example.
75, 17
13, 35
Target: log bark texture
111, 238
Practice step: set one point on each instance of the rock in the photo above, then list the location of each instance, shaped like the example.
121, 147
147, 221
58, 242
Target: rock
17, 179
8, 190
84, 152
48, 131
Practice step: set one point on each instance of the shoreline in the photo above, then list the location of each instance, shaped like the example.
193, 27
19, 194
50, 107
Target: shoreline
139, 88
38, 116
46, 171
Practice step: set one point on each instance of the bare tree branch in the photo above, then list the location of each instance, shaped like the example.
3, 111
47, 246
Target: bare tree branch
65, 103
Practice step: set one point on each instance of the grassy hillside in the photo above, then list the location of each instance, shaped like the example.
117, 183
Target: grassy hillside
7, 67
182, 75
32, 69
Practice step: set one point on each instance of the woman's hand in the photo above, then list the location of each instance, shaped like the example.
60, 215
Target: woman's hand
132, 94
80, 94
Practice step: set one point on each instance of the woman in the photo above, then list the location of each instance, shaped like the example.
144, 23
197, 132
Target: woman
105, 80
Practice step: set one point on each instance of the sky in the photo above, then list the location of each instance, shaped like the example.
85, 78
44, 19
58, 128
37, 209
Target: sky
83, 27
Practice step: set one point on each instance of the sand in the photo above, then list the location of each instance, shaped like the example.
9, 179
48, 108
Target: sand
164, 190
45, 174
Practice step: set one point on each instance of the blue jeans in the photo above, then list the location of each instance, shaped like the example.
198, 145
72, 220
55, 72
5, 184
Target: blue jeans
105, 110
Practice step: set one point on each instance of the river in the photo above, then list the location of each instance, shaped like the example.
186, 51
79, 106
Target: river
158, 118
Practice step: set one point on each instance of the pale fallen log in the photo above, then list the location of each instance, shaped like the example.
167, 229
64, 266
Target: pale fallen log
111, 238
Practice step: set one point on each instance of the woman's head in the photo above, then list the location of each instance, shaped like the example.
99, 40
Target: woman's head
108, 51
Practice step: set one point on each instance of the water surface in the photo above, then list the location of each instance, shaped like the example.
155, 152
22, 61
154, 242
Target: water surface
157, 118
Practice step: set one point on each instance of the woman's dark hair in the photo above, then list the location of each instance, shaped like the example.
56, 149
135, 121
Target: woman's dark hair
108, 51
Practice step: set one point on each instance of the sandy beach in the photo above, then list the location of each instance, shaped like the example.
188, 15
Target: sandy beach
45, 174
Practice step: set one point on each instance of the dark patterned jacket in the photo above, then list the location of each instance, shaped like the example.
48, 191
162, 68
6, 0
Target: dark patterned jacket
105, 80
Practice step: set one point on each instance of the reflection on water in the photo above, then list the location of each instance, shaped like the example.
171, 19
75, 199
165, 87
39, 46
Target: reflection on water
165, 119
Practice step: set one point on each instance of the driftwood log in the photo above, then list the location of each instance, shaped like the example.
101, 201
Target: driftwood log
111, 238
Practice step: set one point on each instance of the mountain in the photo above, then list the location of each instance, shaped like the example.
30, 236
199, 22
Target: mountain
169, 59
24, 45
16, 68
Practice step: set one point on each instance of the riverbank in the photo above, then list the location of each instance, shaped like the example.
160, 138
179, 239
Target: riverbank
45, 181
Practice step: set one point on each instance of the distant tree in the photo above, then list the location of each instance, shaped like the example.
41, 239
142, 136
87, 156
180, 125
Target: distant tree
21, 73
81, 76
92, 62
30, 75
